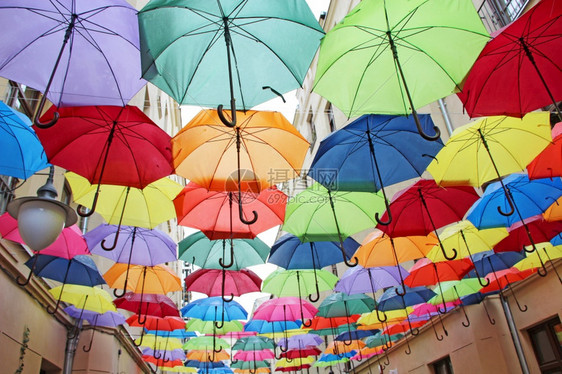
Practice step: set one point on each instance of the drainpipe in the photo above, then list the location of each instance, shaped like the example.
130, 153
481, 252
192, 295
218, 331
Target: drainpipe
72, 338
514, 335
445, 113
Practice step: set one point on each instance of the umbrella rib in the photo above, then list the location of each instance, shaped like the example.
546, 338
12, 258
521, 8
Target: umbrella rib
262, 141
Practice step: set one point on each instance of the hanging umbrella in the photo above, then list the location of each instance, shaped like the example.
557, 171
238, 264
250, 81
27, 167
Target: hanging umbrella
208, 327
355, 335
158, 324
289, 252
159, 342
79, 270
205, 253
544, 254
364, 280
173, 354
451, 291
390, 145
140, 279
131, 206
539, 229
147, 304
502, 279
318, 214
285, 309
297, 362
253, 343
205, 343
554, 212
89, 52
212, 211
213, 282
160, 362
487, 262
394, 57
300, 341
381, 339
299, 283
21, 152
547, 164
203, 355
370, 320
84, 297
217, 47
264, 327
517, 71
426, 273
107, 319
177, 333
425, 207
214, 309
301, 353
250, 365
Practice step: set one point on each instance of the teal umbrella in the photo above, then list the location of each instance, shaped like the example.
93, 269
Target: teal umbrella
395, 56
319, 214
200, 51
254, 343
209, 254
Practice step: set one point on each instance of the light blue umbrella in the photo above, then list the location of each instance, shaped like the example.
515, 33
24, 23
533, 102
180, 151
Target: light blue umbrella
21, 152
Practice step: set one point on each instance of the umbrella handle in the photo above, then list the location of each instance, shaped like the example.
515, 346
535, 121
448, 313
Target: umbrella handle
509, 201
438, 337
165, 360
211, 359
409, 350
450, 258
401, 293
492, 320
114, 243
389, 220
227, 300
275, 353
317, 297
141, 339
221, 262
223, 118
522, 309
234, 361
443, 325
241, 214
81, 210
33, 266
431, 138
90, 345
157, 355
36, 120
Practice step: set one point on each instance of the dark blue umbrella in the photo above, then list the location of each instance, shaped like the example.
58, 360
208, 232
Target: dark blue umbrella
372, 152
21, 152
557, 240
526, 198
477, 298
204, 365
80, 270
355, 335
490, 261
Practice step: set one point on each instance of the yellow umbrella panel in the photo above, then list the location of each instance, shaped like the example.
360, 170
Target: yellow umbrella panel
147, 208
545, 252
490, 148
84, 297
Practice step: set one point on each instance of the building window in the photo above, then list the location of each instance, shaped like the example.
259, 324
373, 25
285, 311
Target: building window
443, 366
22, 98
331, 119
546, 339
496, 14
310, 121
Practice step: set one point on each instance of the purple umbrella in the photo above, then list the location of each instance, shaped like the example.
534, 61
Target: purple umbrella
107, 319
174, 354
133, 245
300, 341
364, 280
78, 52
427, 311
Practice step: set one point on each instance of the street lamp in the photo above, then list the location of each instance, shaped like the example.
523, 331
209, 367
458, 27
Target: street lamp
41, 218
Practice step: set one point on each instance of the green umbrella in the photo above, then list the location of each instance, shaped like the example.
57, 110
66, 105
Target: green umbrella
208, 254
249, 365
200, 51
318, 214
299, 282
330, 363
381, 339
254, 343
209, 327
206, 343
454, 290
395, 56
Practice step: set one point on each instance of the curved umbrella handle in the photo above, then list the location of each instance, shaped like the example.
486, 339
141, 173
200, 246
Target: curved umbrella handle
223, 118
222, 290
90, 345
33, 266
82, 212
509, 201
443, 325
522, 309
157, 356
492, 320
114, 243
36, 120
164, 360
234, 361
450, 258
386, 359
403, 292
317, 297
438, 337
275, 354
409, 350
241, 214
467, 323
141, 339
389, 220
347, 263
221, 262
52, 312
431, 138
211, 359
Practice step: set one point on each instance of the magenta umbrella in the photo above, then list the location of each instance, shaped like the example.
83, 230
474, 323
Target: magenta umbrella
264, 354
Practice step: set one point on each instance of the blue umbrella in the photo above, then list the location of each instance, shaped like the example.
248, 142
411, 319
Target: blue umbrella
355, 335
557, 240
266, 327
204, 365
477, 298
21, 152
80, 270
220, 370
178, 334
372, 152
214, 309
290, 253
490, 261
528, 198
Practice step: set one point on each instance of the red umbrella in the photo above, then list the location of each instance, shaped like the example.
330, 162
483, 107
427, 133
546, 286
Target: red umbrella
548, 163
108, 145
321, 323
502, 279
298, 353
215, 213
294, 368
520, 236
425, 273
425, 207
149, 304
214, 282
519, 70
161, 362
157, 323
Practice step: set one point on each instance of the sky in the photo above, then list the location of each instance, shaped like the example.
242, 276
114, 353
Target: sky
288, 110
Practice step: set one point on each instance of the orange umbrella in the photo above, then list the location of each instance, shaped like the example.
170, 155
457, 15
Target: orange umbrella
205, 356
256, 371
261, 150
554, 212
143, 279
339, 347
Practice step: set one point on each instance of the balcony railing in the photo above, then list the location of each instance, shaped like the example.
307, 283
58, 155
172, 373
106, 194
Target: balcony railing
496, 14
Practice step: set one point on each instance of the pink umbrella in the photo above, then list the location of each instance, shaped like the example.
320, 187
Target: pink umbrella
427, 310
264, 354
214, 282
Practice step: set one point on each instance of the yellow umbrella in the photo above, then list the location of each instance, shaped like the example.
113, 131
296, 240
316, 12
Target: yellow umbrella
490, 148
130, 206
370, 321
338, 347
84, 297
299, 361
178, 369
160, 343
287, 333
545, 252
466, 240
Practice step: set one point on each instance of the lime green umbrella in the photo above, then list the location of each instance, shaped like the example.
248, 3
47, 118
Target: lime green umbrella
206, 343
451, 291
299, 283
395, 56
209, 327
208, 254
318, 214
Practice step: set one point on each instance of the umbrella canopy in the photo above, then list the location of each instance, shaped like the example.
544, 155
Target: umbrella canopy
554, 212
213, 282
131, 206
206, 343
289, 252
204, 355
192, 64
206, 152
107, 319
80, 269
148, 304
298, 282
299, 353
173, 354
364, 280
250, 365
84, 297
108, 145
393, 57
339, 304
372, 152
425, 272
140, 279
21, 152
504, 278
297, 362
285, 309
490, 148
355, 335
68, 244
527, 197
161, 343
300, 341
392, 299
454, 290
545, 252
547, 164
380, 339
488, 262
539, 229
214, 309
168, 323
371, 320
205, 253
89, 52
266, 327
517, 70
253, 343
215, 213
208, 327
134, 245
